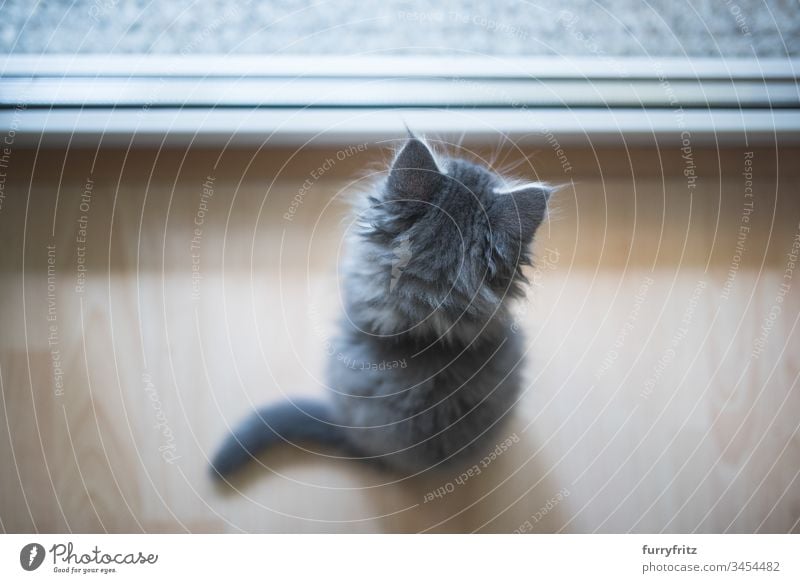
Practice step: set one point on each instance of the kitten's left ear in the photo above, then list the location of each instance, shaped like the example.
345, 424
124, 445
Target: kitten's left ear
414, 173
519, 212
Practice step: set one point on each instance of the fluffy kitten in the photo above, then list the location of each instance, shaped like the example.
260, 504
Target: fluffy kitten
424, 368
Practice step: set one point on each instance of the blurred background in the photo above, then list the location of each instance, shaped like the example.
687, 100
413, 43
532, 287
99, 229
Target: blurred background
174, 181
705, 28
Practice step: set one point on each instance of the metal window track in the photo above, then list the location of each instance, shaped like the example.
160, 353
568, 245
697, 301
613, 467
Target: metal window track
294, 100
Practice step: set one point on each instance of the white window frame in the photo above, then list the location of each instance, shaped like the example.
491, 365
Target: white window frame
255, 99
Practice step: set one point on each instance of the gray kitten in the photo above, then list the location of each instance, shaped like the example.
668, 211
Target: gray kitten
424, 368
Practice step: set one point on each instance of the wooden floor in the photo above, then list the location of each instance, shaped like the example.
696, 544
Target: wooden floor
662, 325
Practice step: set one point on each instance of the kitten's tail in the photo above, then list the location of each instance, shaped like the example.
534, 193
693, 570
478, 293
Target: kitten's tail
298, 421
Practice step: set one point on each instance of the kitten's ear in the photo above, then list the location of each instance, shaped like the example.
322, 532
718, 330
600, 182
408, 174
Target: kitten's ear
519, 212
414, 173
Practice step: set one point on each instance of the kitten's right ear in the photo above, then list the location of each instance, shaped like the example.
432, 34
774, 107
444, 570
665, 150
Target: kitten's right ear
521, 210
414, 174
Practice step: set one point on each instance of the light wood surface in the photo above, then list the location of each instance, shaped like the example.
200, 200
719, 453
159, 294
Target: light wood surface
651, 402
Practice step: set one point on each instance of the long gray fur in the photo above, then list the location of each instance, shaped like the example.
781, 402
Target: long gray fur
425, 367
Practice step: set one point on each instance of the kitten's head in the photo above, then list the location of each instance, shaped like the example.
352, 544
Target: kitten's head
442, 245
